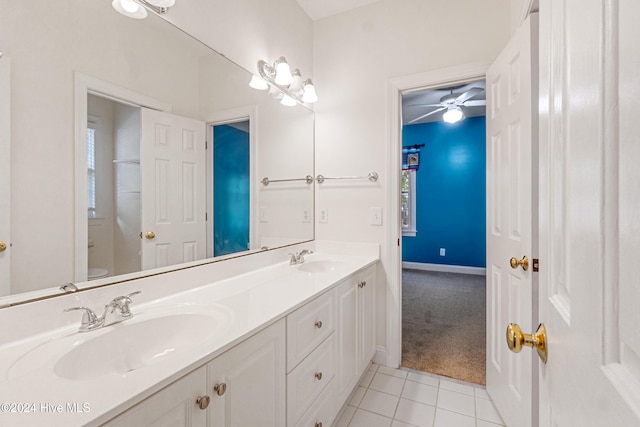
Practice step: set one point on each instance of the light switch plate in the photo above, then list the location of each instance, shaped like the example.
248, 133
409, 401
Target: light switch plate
375, 215
324, 215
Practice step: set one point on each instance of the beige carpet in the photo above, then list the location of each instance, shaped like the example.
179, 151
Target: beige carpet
443, 324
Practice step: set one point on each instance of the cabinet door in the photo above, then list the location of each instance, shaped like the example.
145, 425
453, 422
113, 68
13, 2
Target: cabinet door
366, 317
173, 406
247, 383
347, 334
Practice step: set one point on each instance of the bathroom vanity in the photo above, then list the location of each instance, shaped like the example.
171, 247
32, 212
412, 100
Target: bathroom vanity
282, 345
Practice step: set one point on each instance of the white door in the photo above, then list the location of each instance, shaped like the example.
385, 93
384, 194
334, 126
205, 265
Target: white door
510, 199
172, 156
5, 176
590, 212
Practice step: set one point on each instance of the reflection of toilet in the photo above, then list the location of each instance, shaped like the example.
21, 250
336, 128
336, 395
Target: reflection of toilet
97, 273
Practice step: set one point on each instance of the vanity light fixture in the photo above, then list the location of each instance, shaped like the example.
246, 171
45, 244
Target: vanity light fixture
134, 8
453, 115
290, 84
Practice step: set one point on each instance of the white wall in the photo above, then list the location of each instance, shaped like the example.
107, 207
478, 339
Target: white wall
355, 53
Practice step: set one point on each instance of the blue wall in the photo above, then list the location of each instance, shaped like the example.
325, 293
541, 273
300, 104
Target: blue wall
230, 190
450, 193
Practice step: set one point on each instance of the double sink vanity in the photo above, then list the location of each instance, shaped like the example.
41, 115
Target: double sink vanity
282, 344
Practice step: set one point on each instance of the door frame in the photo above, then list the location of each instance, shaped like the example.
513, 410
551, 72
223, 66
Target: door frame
85, 85
226, 117
392, 251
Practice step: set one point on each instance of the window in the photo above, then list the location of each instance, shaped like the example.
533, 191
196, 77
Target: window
408, 202
91, 172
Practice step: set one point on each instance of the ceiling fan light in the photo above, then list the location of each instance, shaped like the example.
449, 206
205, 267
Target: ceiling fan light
283, 72
453, 115
309, 95
258, 83
130, 8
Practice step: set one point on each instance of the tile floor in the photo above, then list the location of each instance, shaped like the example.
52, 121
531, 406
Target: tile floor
405, 398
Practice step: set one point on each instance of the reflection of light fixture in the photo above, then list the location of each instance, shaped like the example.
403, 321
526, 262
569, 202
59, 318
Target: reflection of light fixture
452, 115
257, 83
288, 101
134, 9
290, 84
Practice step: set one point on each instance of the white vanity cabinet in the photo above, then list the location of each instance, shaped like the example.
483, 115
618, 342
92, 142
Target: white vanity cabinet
247, 383
355, 330
177, 405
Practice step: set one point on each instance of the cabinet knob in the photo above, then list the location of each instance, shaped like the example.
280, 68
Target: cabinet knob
318, 324
220, 389
319, 424
361, 284
318, 376
203, 402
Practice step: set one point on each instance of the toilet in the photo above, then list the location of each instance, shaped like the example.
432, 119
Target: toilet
97, 273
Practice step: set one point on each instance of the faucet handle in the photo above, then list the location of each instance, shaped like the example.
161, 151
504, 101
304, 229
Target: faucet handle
122, 303
89, 319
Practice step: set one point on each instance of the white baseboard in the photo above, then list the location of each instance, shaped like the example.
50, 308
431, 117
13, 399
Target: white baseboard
479, 271
380, 357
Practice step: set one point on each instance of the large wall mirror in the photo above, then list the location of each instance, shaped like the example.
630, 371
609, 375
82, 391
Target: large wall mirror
135, 149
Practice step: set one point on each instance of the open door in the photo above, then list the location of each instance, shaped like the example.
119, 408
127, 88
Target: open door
590, 212
172, 156
511, 200
5, 176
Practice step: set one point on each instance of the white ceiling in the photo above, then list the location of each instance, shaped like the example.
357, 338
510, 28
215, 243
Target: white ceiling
318, 9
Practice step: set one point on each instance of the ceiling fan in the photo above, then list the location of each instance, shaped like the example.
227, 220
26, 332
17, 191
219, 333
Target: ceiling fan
454, 103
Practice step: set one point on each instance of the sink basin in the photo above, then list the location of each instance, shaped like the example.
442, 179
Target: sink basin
320, 266
148, 338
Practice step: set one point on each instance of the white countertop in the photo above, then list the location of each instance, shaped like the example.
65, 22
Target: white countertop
248, 303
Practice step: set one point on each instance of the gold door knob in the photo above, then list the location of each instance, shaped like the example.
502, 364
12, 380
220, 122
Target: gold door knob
220, 389
524, 263
150, 235
516, 340
203, 402
3, 246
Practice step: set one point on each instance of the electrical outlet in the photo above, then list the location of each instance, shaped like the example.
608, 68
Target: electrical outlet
305, 215
442, 251
324, 215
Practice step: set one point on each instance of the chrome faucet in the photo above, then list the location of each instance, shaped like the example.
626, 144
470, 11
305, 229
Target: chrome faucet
298, 258
91, 321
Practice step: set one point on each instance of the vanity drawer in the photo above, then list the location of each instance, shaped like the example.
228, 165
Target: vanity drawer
321, 412
308, 326
307, 380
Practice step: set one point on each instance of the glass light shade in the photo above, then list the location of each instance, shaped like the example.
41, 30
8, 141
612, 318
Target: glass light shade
288, 101
257, 83
283, 72
130, 8
296, 83
309, 95
162, 3
453, 115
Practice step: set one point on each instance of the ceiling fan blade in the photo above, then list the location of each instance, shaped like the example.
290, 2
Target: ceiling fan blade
425, 105
468, 94
475, 103
426, 115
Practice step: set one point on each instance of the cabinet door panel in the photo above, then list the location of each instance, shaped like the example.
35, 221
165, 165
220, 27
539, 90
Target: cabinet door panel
173, 406
348, 359
253, 374
367, 317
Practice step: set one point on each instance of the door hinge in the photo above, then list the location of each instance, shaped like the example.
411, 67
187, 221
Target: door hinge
206, 216
206, 145
535, 264
398, 242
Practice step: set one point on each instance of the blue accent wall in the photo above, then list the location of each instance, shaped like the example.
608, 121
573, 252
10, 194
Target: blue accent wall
230, 190
450, 193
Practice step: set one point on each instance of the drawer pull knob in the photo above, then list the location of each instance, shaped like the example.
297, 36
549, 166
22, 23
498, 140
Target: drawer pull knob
361, 284
220, 389
318, 324
203, 402
318, 376
319, 424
